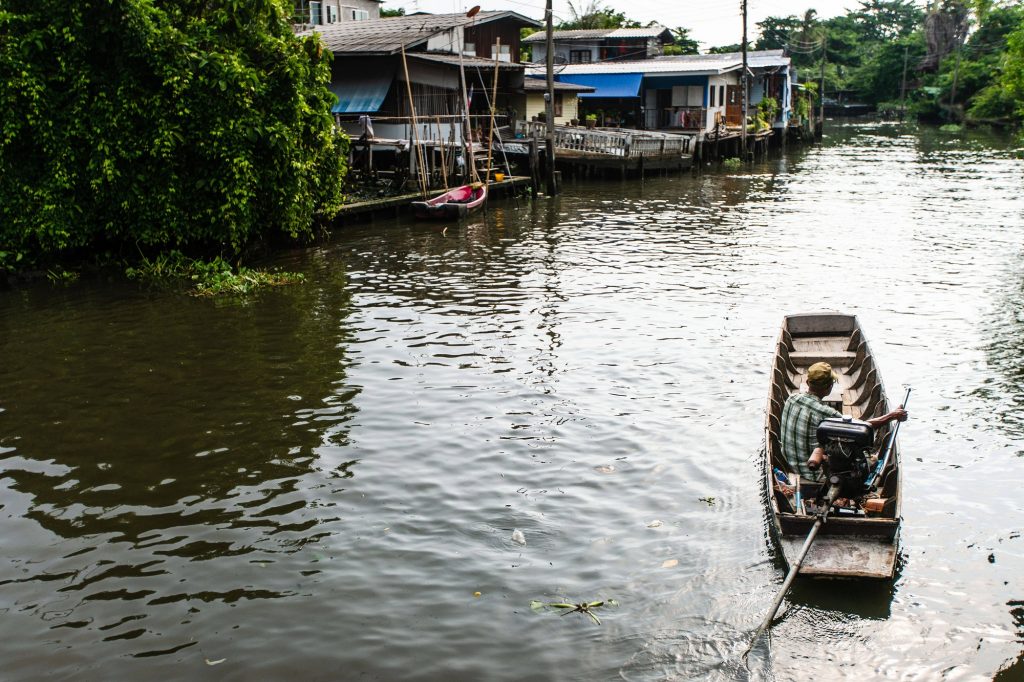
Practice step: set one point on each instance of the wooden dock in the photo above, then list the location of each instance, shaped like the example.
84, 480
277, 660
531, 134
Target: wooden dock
587, 151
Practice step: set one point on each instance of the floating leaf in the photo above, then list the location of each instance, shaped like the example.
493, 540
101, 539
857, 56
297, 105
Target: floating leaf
710, 501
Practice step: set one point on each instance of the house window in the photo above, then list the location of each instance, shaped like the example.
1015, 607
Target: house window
711, 101
558, 104
316, 15
353, 14
579, 56
469, 49
332, 13
721, 95
504, 56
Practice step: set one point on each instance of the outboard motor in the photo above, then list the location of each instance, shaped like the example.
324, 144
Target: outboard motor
847, 443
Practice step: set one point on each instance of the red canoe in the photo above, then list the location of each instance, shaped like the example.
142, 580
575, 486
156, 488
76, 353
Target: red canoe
454, 203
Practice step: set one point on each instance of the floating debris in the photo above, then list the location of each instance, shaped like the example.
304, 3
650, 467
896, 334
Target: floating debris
709, 500
604, 469
582, 607
669, 563
654, 524
217, 662
518, 537
476, 594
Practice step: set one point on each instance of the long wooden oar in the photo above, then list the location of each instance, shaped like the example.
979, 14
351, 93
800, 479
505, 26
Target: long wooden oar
795, 568
884, 459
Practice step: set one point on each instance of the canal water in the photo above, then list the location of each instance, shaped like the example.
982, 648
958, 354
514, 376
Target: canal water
324, 482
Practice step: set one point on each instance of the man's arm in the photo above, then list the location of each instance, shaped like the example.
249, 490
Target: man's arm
899, 413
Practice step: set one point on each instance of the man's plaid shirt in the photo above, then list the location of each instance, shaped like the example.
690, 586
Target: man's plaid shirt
800, 418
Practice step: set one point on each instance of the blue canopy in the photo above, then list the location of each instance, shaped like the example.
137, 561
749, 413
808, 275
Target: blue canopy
606, 84
361, 93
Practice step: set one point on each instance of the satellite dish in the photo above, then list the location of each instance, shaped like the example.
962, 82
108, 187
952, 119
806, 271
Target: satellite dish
472, 12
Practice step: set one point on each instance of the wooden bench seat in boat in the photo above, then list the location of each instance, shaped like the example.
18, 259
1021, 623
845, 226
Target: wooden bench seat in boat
836, 358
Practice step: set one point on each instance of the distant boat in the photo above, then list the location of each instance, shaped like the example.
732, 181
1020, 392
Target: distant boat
861, 542
453, 204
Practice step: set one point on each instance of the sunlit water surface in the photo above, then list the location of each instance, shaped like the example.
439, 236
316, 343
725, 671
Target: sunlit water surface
314, 484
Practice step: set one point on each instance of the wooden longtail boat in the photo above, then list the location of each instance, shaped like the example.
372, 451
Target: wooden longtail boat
861, 543
453, 204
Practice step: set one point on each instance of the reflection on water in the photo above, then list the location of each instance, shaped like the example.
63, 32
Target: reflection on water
328, 478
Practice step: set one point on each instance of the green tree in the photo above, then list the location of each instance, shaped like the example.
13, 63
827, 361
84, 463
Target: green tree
684, 44
147, 125
386, 12
886, 20
992, 74
592, 14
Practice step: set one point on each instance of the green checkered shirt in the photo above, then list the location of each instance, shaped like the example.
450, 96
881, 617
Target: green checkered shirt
800, 418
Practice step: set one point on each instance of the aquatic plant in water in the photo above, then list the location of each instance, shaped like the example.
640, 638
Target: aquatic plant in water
582, 607
208, 278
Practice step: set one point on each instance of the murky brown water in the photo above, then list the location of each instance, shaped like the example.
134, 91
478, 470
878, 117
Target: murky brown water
313, 484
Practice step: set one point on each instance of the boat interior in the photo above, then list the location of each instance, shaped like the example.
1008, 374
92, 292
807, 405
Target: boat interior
837, 340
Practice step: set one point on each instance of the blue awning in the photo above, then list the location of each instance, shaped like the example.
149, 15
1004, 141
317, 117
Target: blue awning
361, 93
606, 84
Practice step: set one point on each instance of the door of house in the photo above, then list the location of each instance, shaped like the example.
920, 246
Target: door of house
733, 105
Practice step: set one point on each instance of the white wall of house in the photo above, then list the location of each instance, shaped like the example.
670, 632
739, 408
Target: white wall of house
326, 12
452, 41
564, 52
719, 85
535, 106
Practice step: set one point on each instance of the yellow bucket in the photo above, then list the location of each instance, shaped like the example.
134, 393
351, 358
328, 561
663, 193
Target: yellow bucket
499, 177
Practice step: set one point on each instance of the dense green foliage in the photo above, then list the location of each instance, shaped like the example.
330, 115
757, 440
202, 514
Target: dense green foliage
964, 58
684, 43
139, 126
593, 14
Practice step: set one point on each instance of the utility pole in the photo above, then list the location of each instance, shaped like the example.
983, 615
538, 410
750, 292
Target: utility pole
903, 84
550, 105
821, 94
744, 84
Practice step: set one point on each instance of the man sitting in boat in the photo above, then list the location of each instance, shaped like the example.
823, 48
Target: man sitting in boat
804, 411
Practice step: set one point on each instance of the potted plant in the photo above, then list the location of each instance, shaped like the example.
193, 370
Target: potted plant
591, 120
574, 122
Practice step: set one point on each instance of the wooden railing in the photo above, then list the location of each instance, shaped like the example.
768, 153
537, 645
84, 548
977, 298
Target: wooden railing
609, 141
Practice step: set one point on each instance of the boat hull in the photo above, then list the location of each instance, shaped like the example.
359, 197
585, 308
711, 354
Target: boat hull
452, 205
846, 546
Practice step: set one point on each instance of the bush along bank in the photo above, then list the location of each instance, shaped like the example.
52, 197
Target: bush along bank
137, 130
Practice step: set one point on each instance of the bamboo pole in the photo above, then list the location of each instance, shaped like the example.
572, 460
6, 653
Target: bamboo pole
467, 131
415, 128
444, 162
494, 96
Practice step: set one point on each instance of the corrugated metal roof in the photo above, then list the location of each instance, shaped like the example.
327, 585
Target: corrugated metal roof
468, 62
691, 64
541, 85
595, 33
388, 35
710, 67
755, 59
